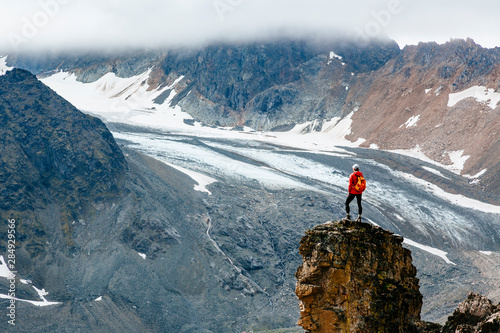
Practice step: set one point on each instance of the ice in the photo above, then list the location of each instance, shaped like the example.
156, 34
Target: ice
193, 158
456, 157
456, 199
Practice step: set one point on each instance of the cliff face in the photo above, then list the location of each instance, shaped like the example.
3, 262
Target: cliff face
356, 278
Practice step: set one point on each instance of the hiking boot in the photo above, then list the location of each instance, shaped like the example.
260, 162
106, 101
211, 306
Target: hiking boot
359, 218
348, 217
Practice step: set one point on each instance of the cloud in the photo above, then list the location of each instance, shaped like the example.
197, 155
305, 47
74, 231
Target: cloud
109, 24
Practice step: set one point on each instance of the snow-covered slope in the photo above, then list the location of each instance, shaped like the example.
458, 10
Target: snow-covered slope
128, 100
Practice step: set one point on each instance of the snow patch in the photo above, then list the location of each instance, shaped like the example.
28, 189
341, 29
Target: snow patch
41, 293
334, 56
142, 255
427, 90
124, 100
202, 180
456, 157
477, 175
98, 299
480, 93
411, 122
434, 171
36, 303
429, 249
5, 272
458, 160
488, 253
3, 66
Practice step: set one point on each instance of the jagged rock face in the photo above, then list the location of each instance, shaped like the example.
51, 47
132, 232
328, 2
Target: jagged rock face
356, 278
268, 85
50, 150
475, 314
51, 154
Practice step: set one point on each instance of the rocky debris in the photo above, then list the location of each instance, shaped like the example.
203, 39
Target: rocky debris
356, 277
476, 314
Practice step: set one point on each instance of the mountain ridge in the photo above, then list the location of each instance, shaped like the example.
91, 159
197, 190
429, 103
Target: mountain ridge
406, 94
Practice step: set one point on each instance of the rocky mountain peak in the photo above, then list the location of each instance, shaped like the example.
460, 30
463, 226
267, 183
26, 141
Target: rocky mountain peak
47, 144
356, 277
51, 154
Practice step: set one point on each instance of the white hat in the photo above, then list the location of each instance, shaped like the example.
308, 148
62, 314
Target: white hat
355, 167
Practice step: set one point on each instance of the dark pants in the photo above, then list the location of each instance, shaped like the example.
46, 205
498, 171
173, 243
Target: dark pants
350, 198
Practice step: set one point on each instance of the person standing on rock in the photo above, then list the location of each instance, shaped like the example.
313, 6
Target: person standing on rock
357, 185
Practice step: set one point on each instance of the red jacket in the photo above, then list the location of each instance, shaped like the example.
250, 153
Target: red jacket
353, 180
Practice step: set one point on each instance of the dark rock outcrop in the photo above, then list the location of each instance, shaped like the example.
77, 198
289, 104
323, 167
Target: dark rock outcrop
49, 150
51, 154
476, 314
356, 278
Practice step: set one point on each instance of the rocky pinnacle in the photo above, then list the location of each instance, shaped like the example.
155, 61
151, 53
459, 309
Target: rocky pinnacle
356, 277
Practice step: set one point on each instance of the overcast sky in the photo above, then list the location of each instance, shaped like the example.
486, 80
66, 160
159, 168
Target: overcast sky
108, 24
